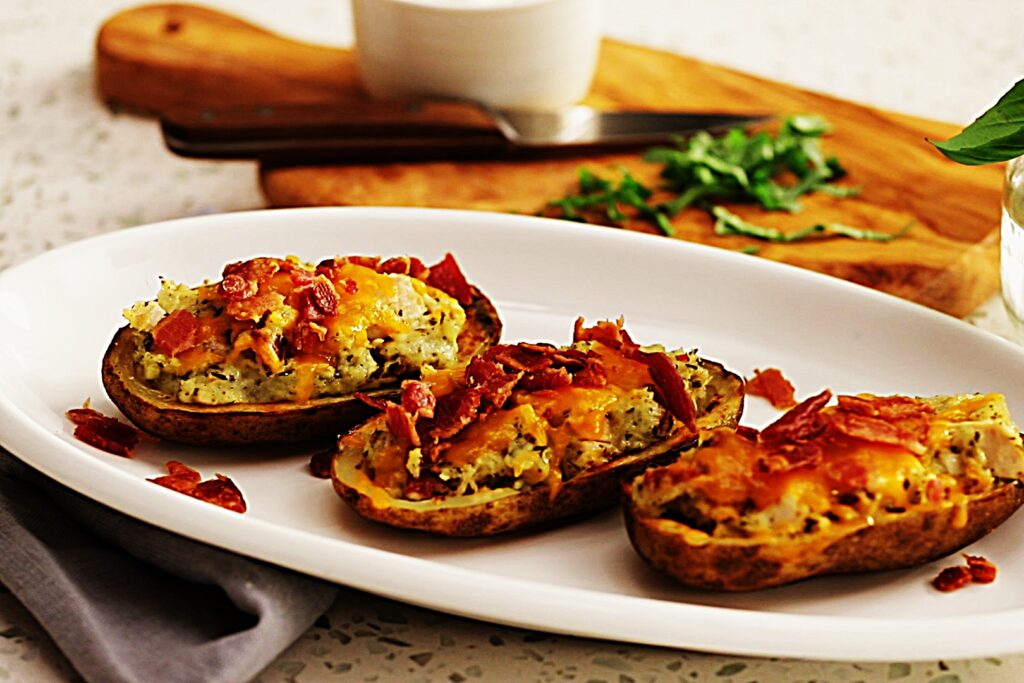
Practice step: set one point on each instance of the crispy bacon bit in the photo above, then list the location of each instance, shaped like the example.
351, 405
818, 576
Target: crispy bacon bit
180, 477
301, 277
372, 401
417, 399
491, 380
671, 388
106, 433
220, 491
976, 570
885, 407
525, 357
453, 412
952, 578
982, 571
397, 265
801, 423
447, 276
371, 262
592, 375
401, 423
573, 360
548, 378
874, 430
234, 287
608, 333
320, 463
772, 385
253, 272
417, 268
318, 300
175, 333
404, 265
791, 456
351, 287
254, 307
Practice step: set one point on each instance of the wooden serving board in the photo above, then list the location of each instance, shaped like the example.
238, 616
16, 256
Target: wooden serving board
163, 57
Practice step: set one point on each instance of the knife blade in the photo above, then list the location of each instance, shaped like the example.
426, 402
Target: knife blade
393, 130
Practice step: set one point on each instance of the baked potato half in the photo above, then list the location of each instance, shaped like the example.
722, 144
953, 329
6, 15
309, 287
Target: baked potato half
871, 483
277, 349
530, 434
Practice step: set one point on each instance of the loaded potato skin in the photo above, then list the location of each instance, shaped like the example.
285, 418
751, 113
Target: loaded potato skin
871, 484
276, 350
530, 435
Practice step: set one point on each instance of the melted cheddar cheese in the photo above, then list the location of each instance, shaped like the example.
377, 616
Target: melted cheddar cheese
731, 487
275, 345
541, 437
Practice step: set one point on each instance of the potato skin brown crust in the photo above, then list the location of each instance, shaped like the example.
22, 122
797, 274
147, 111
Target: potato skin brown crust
258, 423
895, 541
587, 493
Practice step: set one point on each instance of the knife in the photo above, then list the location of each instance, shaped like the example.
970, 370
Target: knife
393, 130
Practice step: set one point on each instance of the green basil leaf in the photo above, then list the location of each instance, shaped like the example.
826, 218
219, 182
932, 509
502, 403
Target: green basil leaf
996, 135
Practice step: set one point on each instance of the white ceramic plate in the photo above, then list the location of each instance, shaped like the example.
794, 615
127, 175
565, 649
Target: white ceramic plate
58, 311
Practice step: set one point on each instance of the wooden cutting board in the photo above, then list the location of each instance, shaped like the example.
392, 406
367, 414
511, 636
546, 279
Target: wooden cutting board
163, 57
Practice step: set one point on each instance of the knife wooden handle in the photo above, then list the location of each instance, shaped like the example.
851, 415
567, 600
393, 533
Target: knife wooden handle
169, 59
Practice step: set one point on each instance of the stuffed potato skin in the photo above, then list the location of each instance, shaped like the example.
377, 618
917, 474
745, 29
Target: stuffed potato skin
496, 512
916, 480
240, 423
493, 510
891, 542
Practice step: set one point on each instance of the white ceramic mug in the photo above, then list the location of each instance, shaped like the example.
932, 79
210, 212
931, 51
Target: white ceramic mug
537, 54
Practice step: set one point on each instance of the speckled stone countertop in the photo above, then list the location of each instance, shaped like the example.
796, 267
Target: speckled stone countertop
69, 168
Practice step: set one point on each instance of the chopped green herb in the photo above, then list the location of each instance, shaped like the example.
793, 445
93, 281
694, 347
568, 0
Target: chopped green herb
601, 194
743, 167
728, 223
737, 166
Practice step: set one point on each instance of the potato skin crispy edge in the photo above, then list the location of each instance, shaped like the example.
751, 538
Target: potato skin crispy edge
586, 494
896, 541
259, 423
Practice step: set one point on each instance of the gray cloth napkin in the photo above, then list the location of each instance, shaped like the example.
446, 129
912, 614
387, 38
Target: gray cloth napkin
126, 601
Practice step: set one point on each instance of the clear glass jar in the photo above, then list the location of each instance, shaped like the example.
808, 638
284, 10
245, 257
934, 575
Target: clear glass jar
1011, 256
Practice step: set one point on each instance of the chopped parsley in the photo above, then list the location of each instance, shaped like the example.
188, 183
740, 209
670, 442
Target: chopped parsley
773, 171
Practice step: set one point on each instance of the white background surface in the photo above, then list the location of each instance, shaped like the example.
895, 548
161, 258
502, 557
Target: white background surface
69, 169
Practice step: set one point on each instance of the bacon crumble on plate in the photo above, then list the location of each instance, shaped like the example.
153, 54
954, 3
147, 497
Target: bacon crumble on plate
220, 491
976, 569
106, 433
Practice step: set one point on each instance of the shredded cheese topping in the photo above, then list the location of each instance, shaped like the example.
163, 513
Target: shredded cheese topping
281, 330
950, 449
